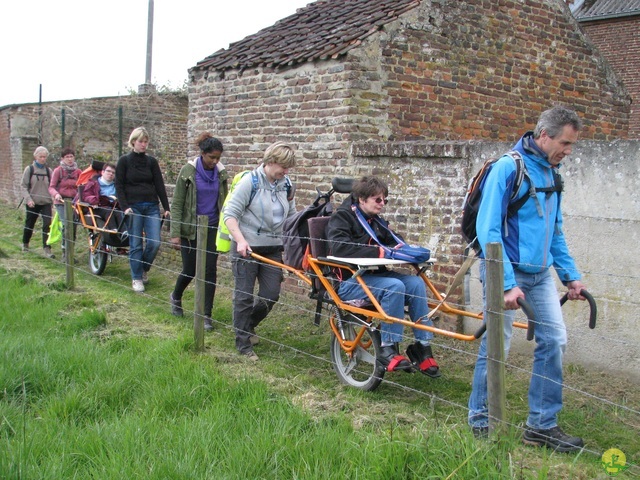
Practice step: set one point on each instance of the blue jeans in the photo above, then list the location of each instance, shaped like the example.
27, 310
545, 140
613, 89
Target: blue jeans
393, 291
545, 388
145, 218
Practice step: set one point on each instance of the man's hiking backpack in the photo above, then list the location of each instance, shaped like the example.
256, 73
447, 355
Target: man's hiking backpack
223, 238
471, 203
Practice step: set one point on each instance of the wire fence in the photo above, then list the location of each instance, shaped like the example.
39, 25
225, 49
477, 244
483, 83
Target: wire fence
300, 307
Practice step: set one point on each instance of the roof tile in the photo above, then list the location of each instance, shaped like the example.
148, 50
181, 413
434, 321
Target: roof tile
326, 28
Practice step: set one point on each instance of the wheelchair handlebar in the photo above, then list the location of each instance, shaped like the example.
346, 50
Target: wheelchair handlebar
531, 317
526, 308
593, 309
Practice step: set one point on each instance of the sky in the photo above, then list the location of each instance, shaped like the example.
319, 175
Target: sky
98, 48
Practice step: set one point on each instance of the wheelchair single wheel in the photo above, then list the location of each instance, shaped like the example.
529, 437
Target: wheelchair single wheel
97, 253
354, 351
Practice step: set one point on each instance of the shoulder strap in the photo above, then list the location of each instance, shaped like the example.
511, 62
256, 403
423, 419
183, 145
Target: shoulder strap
32, 171
370, 231
254, 186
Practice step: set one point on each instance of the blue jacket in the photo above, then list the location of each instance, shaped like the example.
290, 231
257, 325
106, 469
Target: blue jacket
532, 240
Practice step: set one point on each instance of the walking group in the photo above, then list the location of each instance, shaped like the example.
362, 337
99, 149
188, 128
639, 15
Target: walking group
254, 214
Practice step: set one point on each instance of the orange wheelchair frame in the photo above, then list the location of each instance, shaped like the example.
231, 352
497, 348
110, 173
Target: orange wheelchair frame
99, 250
355, 344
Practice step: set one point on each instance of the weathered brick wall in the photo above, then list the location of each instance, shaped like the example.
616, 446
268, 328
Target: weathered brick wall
485, 70
619, 41
91, 127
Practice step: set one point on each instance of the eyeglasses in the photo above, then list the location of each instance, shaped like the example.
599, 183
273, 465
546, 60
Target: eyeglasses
109, 171
381, 200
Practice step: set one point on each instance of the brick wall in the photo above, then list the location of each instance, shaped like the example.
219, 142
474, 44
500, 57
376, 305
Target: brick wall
91, 127
484, 70
619, 41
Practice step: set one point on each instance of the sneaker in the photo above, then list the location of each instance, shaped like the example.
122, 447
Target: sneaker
553, 438
251, 355
145, 277
208, 325
176, 306
137, 286
391, 360
25, 247
422, 358
48, 253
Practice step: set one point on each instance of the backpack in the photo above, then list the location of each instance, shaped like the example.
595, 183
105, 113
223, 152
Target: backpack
471, 203
32, 173
295, 233
223, 237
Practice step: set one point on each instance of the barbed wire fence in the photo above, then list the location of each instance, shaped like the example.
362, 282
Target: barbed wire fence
301, 310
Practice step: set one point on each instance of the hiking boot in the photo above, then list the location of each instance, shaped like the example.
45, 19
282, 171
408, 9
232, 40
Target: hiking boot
176, 306
48, 253
391, 359
208, 326
553, 438
25, 247
422, 359
251, 356
145, 277
137, 286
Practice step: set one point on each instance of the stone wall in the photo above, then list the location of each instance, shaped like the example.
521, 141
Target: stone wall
92, 127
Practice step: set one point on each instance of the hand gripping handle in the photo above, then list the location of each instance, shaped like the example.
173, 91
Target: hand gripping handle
593, 313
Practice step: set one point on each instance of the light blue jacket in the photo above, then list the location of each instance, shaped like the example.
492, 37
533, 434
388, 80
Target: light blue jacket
255, 215
532, 240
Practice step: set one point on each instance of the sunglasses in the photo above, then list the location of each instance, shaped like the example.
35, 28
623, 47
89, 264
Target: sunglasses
381, 200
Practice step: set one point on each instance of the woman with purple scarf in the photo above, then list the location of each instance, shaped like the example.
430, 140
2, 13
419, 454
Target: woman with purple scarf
201, 188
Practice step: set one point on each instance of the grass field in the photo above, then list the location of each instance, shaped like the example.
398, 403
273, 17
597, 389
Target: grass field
99, 382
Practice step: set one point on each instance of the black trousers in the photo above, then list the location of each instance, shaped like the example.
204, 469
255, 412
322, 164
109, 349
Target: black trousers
30, 221
188, 251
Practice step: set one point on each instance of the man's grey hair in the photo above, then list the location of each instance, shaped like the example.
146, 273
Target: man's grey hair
554, 120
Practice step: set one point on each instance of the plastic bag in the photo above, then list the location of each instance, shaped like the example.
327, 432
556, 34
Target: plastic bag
55, 230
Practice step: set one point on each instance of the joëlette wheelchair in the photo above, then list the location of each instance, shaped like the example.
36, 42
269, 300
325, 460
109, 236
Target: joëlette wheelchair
356, 343
106, 226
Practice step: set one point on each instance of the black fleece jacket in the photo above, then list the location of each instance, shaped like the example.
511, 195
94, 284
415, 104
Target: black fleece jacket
139, 179
347, 238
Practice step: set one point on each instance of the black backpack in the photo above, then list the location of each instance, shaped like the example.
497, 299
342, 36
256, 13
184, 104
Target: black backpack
471, 203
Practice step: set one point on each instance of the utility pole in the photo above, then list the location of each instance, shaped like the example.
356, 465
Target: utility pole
147, 78
147, 86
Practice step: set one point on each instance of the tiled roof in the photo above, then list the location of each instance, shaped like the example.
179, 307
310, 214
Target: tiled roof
321, 30
600, 9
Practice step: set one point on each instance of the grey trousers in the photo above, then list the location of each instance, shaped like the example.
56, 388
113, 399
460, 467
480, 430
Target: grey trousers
249, 309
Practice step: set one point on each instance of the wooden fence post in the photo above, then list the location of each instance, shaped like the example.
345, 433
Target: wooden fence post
495, 336
201, 258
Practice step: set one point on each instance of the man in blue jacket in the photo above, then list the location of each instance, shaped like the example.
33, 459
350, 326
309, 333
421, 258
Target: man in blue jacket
532, 241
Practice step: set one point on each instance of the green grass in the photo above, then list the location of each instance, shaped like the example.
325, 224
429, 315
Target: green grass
101, 383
